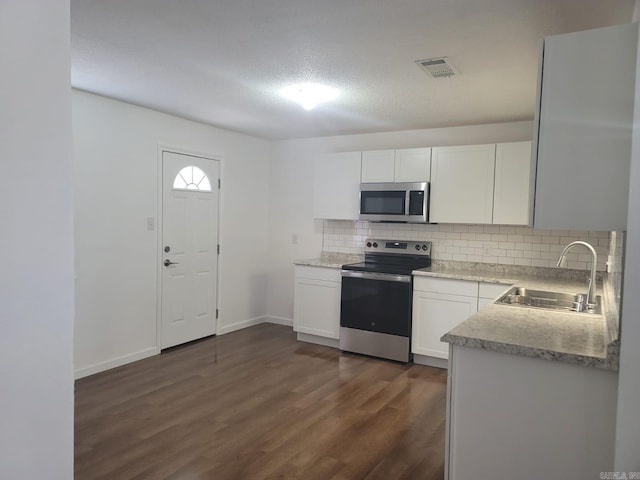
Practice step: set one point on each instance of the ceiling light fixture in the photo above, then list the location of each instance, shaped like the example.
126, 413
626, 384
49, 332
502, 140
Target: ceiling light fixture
309, 95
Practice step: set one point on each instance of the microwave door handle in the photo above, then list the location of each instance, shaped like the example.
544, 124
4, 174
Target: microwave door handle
407, 201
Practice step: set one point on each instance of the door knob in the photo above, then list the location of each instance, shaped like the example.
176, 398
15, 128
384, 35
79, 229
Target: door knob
168, 262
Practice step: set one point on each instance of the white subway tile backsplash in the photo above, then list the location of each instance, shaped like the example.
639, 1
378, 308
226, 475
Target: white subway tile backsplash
551, 239
578, 265
477, 243
515, 238
522, 261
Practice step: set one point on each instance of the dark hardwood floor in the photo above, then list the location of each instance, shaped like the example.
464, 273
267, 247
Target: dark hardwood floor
257, 404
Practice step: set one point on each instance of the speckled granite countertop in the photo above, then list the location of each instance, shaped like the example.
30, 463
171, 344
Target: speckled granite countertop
583, 339
331, 260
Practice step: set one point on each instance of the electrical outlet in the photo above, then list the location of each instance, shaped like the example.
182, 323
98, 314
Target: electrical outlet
294, 238
151, 223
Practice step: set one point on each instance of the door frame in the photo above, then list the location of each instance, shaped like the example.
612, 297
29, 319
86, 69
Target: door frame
159, 212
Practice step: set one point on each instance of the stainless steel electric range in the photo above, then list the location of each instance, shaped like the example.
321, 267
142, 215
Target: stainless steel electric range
376, 300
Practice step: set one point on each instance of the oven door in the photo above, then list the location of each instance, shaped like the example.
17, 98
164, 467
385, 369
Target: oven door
376, 302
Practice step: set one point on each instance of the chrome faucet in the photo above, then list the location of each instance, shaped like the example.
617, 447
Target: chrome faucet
591, 301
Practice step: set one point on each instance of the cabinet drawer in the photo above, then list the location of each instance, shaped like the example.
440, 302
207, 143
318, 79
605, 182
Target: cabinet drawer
446, 286
318, 273
492, 290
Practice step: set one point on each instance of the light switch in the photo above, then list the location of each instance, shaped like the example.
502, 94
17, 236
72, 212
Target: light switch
294, 238
151, 223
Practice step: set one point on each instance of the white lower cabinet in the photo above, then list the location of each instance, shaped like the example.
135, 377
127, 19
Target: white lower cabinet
438, 306
316, 304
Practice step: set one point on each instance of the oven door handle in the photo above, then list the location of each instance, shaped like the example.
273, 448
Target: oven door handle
386, 277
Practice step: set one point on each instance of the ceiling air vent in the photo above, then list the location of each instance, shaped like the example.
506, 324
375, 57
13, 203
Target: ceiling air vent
437, 67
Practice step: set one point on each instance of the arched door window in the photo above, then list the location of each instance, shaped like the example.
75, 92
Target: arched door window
192, 178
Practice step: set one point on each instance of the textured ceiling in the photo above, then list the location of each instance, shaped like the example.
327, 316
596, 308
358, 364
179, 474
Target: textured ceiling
223, 62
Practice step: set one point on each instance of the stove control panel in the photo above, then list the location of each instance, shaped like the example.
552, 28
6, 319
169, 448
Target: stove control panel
402, 247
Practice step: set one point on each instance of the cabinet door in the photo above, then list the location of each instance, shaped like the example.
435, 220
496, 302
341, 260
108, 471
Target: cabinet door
434, 314
512, 198
337, 186
413, 165
462, 184
316, 307
378, 166
586, 85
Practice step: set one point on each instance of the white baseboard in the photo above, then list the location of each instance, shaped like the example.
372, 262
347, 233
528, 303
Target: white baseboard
240, 325
430, 361
149, 352
279, 320
115, 362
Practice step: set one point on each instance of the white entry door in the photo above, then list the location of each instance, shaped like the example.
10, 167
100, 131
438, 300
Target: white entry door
189, 248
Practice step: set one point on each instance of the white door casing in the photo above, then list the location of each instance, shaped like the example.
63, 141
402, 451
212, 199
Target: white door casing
190, 234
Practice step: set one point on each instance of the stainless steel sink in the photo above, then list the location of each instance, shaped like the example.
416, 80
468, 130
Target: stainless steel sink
567, 302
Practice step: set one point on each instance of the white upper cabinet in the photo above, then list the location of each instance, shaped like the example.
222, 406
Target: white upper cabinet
586, 99
337, 186
462, 184
378, 166
402, 165
413, 165
512, 197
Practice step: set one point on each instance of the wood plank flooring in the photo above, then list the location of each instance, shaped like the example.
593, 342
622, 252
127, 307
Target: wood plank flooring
257, 404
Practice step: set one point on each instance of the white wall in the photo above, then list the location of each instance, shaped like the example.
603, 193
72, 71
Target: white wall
36, 240
291, 187
116, 185
628, 421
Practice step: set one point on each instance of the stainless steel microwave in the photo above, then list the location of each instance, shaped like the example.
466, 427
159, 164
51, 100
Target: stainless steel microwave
394, 202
